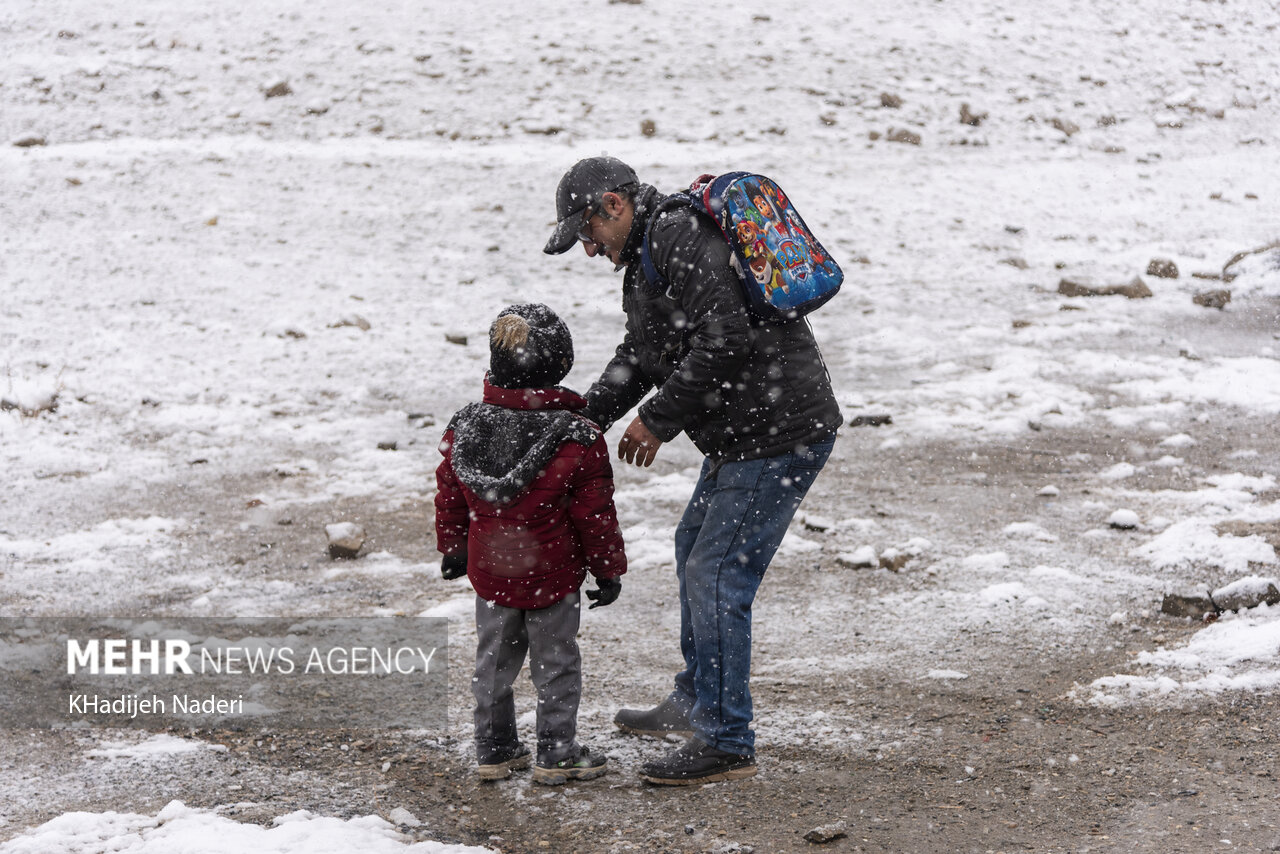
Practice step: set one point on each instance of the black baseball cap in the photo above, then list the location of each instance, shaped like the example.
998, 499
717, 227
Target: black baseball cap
580, 188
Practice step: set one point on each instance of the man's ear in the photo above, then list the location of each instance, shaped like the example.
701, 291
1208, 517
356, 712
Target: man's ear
613, 205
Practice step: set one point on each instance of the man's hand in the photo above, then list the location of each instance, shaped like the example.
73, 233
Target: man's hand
638, 445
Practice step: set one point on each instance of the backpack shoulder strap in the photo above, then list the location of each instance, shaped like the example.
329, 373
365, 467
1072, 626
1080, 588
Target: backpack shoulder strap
651, 274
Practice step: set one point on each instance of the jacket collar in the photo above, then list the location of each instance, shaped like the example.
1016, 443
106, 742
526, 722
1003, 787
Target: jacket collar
646, 201
556, 397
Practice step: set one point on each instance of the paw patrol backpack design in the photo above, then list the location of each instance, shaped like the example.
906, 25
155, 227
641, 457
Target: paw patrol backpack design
785, 272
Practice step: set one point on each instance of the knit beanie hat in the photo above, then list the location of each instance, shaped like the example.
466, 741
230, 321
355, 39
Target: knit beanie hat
529, 347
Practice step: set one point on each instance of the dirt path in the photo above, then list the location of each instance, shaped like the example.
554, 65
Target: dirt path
851, 730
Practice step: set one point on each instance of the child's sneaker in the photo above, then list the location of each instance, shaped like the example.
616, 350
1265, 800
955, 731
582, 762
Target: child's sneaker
500, 764
580, 766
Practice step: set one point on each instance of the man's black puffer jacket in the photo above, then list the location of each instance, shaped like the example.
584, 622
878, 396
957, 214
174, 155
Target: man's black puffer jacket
741, 388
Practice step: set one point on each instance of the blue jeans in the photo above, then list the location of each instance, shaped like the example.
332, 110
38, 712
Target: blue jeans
729, 533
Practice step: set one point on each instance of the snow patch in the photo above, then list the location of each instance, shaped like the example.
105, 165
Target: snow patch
1194, 542
158, 747
1240, 652
179, 828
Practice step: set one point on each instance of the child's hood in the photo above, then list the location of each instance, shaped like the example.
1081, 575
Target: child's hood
501, 445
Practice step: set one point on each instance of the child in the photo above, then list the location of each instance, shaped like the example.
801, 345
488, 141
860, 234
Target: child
524, 508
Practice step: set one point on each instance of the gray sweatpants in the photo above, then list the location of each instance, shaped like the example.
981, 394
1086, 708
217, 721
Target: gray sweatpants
549, 636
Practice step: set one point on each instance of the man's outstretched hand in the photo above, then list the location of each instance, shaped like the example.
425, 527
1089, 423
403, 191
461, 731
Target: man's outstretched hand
638, 445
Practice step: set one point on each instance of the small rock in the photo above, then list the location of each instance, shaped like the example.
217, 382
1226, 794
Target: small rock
1066, 126
460, 340
873, 135
1016, 263
1228, 274
818, 523
890, 100
29, 142
1048, 492
827, 833
903, 135
1135, 289
970, 118
1269, 531
403, 817
894, 560
30, 398
352, 320
1124, 520
387, 446
648, 127
1246, 593
279, 90
1080, 287
871, 420
1213, 299
863, 558
1162, 268
345, 540
1187, 606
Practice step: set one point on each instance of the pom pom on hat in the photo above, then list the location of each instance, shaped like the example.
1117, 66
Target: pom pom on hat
529, 347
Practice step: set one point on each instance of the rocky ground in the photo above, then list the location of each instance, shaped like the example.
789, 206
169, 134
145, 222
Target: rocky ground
250, 254
1004, 760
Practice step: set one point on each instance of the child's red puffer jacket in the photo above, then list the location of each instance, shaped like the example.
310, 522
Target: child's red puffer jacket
525, 490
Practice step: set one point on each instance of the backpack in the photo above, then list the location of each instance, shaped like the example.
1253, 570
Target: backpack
785, 272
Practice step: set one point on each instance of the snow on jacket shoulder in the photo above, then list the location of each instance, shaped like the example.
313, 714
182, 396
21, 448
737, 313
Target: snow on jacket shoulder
525, 490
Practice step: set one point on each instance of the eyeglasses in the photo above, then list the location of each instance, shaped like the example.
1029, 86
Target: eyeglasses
584, 230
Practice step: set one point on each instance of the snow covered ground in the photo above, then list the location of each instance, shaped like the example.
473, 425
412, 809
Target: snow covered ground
245, 244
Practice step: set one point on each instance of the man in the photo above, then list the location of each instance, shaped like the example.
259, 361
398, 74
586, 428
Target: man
756, 400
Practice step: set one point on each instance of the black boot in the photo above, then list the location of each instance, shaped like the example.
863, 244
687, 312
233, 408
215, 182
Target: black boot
666, 718
697, 762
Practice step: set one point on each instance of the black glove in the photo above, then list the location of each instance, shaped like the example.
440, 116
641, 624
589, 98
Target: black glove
608, 592
453, 566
